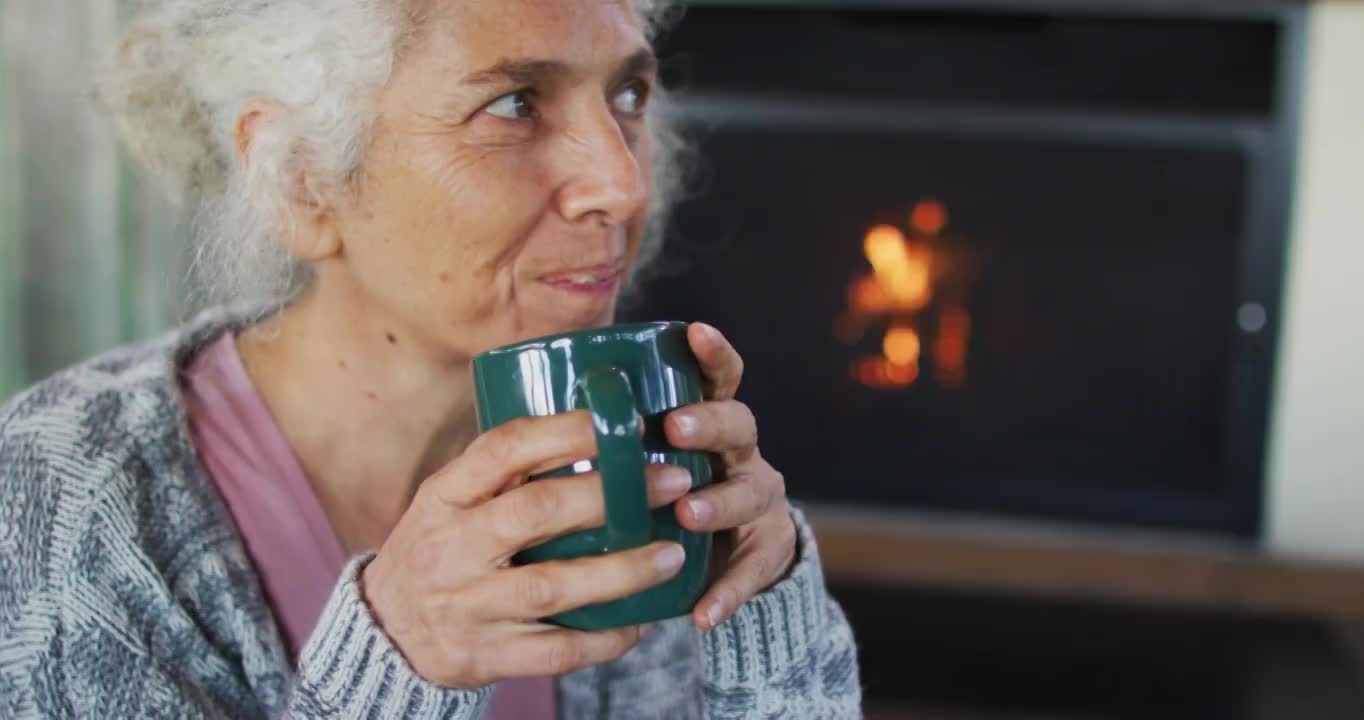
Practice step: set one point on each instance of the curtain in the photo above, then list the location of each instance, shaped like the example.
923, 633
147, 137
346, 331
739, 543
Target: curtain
90, 257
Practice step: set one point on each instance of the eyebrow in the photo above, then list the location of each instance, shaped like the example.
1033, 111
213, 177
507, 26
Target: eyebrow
534, 72
640, 62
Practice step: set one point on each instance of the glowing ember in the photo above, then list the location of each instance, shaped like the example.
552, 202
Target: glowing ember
902, 346
867, 297
928, 217
949, 350
876, 372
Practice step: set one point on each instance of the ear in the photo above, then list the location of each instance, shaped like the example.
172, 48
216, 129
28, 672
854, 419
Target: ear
256, 113
305, 220
310, 231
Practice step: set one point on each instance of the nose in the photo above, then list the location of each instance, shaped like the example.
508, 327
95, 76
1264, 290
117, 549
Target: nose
603, 176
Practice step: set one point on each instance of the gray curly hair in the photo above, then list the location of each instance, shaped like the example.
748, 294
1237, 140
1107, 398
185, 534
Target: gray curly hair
177, 80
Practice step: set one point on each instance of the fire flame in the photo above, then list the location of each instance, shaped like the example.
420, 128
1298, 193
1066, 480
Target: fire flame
900, 279
900, 286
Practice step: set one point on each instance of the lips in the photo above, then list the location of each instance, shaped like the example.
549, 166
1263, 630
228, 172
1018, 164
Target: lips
595, 278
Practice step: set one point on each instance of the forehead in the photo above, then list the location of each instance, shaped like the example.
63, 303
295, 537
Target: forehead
465, 35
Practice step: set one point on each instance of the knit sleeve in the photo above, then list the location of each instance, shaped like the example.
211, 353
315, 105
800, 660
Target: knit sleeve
789, 652
122, 595
349, 668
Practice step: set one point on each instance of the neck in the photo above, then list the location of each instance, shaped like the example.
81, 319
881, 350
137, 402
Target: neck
368, 410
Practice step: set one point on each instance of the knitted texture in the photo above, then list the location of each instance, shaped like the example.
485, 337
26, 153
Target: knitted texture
125, 590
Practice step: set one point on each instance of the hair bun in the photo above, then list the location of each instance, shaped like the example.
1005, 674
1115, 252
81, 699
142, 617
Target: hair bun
165, 127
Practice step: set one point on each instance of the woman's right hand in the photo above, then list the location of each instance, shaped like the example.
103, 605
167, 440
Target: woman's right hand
442, 586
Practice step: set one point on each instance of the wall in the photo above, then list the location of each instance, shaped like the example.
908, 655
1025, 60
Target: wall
1316, 469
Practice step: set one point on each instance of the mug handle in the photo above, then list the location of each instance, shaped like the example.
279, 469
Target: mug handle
620, 456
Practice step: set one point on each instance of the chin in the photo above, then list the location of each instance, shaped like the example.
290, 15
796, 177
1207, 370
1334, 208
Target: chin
556, 321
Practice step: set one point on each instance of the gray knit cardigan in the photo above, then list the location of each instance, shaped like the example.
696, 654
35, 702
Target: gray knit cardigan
125, 590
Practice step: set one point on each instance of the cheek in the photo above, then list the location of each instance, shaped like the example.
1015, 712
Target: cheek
481, 209
464, 219
447, 212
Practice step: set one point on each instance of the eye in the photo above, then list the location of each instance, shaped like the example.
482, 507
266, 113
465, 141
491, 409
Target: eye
512, 106
632, 99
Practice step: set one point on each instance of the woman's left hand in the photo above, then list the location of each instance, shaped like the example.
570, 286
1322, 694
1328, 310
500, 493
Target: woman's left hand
755, 541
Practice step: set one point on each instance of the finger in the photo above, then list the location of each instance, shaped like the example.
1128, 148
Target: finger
756, 566
741, 499
548, 651
538, 511
504, 456
720, 363
543, 589
725, 426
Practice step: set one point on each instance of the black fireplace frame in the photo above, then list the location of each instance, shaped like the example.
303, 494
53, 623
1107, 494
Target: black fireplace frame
1269, 142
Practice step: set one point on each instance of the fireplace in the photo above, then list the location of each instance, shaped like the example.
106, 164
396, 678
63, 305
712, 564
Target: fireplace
1000, 259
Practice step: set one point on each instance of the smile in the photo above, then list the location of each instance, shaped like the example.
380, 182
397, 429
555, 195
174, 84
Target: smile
594, 280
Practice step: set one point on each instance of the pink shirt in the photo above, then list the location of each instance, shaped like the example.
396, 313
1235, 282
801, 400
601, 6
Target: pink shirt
282, 523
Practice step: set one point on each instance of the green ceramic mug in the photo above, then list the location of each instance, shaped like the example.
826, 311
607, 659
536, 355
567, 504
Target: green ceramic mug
623, 375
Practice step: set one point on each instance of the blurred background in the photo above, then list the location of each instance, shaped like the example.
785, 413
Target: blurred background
89, 256
1051, 310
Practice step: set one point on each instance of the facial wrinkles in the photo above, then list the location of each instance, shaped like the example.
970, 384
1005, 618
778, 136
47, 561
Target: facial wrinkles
451, 156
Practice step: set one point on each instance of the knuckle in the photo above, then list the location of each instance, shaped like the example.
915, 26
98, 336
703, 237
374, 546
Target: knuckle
538, 593
775, 493
563, 654
750, 424
756, 497
529, 508
723, 420
487, 454
720, 503
499, 443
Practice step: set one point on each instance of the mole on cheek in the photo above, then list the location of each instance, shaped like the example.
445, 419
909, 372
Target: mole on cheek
373, 396
391, 339
444, 278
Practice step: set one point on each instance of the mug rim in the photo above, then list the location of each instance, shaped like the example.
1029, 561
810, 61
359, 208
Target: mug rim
538, 342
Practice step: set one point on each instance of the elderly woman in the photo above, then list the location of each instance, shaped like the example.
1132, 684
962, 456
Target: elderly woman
284, 507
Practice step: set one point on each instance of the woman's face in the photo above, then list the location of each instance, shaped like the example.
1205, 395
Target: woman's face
505, 190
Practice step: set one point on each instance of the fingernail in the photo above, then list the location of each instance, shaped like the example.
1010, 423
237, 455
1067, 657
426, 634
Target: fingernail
645, 630
686, 424
669, 558
672, 481
714, 614
702, 510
